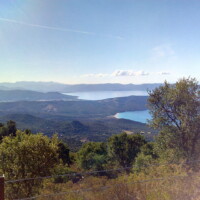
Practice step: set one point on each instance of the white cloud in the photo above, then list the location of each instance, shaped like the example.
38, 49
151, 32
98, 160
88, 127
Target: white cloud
129, 73
101, 75
125, 73
164, 73
95, 75
141, 73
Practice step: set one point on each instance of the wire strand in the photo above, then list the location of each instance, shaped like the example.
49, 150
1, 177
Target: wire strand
98, 171
103, 187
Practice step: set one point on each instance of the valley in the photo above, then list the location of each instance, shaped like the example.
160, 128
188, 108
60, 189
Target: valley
74, 119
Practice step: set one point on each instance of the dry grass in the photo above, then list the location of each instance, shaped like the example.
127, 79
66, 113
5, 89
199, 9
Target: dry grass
176, 184
164, 183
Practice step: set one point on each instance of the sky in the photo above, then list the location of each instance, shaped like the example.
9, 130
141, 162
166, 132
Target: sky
99, 41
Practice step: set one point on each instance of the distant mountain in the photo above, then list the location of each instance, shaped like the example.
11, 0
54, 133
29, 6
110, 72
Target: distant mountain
65, 88
25, 95
35, 86
76, 109
4, 88
89, 130
49, 127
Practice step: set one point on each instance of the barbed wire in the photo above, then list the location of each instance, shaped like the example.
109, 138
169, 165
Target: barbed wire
99, 171
104, 187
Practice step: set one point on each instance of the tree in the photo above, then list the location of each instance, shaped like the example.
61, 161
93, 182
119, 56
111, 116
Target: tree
124, 148
93, 155
146, 157
11, 125
27, 156
3, 132
63, 152
175, 110
8, 129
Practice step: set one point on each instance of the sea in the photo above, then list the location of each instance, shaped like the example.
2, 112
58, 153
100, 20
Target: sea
139, 116
100, 95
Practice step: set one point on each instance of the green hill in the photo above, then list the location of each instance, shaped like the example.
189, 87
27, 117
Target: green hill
74, 109
26, 95
92, 130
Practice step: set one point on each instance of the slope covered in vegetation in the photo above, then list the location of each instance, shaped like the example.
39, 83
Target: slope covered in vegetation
123, 167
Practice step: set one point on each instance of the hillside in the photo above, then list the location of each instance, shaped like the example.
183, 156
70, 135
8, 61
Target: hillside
76, 109
26, 95
91, 130
81, 120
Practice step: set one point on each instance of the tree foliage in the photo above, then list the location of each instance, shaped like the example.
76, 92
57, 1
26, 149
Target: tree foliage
63, 152
27, 156
93, 155
9, 129
124, 148
12, 129
146, 157
175, 110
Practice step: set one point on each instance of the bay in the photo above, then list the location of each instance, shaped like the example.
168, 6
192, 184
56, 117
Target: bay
138, 116
100, 95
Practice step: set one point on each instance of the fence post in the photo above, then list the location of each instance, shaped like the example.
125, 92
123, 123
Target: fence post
1, 187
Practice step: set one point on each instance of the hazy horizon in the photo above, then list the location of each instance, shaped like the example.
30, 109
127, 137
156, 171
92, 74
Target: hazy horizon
76, 83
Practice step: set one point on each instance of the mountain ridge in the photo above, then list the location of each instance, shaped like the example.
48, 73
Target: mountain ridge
67, 88
27, 95
76, 108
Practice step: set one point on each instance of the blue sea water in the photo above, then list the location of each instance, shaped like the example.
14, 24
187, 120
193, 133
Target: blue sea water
99, 95
139, 116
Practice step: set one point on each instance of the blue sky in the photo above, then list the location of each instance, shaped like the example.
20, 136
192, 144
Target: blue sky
99, 41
